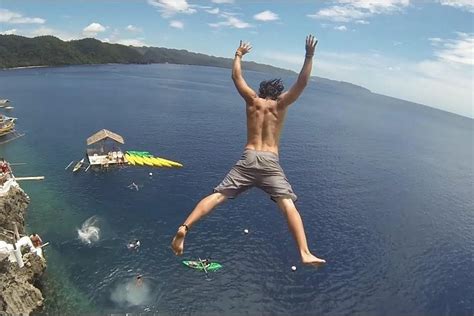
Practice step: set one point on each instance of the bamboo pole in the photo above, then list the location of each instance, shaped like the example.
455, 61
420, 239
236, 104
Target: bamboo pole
69, 165
29, 178
15, 232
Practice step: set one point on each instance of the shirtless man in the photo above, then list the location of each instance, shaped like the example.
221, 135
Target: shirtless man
36, 240
259, 165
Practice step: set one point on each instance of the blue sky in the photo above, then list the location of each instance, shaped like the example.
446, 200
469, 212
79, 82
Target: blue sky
420, 51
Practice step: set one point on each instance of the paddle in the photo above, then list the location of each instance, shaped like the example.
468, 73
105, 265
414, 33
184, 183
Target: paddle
203, 265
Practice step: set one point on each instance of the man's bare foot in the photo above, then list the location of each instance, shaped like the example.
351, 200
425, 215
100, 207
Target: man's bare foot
310, 259
178, 241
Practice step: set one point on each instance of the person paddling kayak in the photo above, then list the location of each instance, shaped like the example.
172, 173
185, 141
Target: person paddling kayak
259, 165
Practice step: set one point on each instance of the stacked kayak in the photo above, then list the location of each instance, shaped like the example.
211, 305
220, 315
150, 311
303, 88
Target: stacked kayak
144, 158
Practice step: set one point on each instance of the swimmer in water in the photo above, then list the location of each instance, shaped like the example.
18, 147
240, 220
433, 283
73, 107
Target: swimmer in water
139, 280
134, 245
133, 186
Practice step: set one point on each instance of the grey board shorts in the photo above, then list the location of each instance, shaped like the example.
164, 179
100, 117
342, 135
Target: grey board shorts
260, 169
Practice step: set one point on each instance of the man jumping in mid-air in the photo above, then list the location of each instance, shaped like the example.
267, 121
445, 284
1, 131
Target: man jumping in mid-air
259, 165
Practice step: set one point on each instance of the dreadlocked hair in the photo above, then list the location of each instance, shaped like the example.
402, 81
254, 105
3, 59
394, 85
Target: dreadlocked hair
270, 89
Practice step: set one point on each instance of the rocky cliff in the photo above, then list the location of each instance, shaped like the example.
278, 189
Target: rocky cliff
18, 294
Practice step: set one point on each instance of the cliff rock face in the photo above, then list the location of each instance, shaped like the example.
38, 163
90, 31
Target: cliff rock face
17, 292
18, 295
13, 209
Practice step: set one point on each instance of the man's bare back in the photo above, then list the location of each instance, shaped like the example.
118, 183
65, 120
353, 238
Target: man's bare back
259, 165
266, 111
264, 123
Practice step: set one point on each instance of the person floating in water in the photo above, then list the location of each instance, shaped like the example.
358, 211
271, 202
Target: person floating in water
134, 245
259, 165
133, 186
206, 263
139, 280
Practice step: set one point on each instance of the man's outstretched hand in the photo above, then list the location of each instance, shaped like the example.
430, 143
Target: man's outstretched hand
310, 45
243, 49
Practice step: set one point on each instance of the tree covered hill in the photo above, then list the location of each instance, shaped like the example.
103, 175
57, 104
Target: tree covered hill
19, 51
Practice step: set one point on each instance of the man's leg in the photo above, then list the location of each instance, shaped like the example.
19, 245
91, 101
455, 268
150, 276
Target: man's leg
204, 207
295, 224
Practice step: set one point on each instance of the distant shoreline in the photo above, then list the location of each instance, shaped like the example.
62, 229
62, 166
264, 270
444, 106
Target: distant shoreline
26, 67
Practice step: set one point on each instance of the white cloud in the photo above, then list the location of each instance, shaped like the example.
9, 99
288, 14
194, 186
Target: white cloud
93, 29
10, 17
460, 50
133, 28
213, 11
169, 8
354, 10
467, 5
8, 32
266, 16
435, 40
223, 1
444, 81
340, 28
231, 21
177, 24
362, 22
128, 42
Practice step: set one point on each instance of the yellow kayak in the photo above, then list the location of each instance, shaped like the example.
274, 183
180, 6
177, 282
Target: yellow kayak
148, 161
164, 162
172, 163
156, 162
138, 160
130, 159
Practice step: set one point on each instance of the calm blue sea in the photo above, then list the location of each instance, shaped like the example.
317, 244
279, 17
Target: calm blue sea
385, 191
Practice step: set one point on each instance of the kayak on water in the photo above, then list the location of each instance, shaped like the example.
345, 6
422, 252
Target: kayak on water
139, 153
147, 161
199, 265
145, 158
130, 159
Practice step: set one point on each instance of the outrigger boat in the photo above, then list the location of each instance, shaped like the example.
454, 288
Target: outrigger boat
78, 165
7, 127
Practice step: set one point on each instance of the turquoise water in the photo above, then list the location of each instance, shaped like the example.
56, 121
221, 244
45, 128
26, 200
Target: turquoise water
385, 190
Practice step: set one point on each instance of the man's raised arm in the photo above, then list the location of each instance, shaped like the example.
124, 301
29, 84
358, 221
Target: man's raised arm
295, 91
244, 90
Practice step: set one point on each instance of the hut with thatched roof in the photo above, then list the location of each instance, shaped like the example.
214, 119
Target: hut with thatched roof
103, 148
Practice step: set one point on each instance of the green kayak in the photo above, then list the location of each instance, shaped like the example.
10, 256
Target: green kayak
213, 266
139, 153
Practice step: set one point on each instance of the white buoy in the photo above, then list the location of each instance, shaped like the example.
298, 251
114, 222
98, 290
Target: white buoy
246, 231
293, 268
150, 174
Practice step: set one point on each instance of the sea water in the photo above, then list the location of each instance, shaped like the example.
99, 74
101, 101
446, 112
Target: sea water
385, 191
